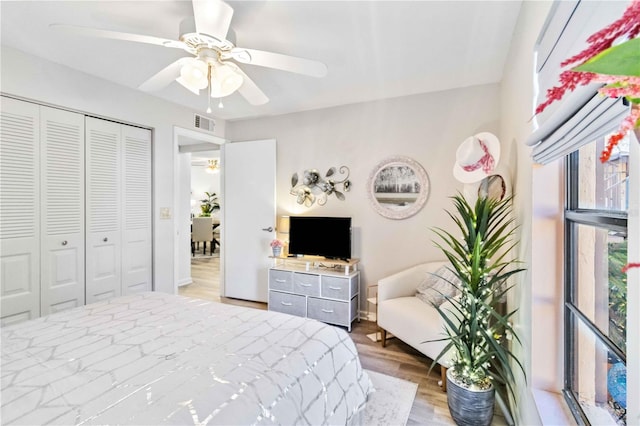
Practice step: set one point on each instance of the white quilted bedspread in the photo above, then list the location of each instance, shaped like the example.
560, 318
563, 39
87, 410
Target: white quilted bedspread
154, 358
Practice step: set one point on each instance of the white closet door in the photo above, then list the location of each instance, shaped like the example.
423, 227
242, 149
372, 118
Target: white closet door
61, 210
103, 209
136, 232
19, 211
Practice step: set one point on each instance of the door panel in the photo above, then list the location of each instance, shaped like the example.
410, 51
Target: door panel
62, 210
19, 210
248, 207
136, 249
103, 209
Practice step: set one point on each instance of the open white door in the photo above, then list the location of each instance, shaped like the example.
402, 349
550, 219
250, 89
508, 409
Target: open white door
248, 214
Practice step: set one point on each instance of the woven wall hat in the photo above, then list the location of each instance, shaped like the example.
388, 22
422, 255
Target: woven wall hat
476, 157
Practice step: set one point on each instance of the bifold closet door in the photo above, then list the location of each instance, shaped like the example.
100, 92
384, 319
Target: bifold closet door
103, 209
61, 210
19, 210
136, 236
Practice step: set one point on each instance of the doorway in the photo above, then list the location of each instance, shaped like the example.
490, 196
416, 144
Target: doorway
197, 173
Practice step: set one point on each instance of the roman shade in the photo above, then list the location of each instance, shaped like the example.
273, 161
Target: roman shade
582, 115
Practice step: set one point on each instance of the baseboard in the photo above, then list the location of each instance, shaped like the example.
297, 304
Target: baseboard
184, 281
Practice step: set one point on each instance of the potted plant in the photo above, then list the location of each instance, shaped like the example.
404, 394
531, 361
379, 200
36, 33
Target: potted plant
477, 324
209, 204
276, 247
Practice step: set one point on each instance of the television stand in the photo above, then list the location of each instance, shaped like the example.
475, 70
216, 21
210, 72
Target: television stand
327, 290
312, 263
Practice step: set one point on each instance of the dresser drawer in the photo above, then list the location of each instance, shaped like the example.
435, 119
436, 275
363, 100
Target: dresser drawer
331, 311
335, 287
291, 304
280, 280
308, 284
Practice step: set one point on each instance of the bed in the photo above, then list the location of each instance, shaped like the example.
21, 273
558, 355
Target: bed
154, 358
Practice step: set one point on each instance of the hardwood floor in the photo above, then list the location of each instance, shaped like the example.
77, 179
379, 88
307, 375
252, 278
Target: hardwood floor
397, 359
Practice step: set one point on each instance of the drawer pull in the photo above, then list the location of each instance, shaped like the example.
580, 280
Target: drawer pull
305, 285
327, 311
335, 288
286, 303
281, 281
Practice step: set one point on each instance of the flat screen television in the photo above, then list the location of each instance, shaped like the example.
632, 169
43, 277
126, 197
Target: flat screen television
320, 236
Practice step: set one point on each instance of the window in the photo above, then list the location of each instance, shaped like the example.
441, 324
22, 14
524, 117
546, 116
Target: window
595, 288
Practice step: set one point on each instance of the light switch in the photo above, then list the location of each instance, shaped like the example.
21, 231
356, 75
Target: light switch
165, 212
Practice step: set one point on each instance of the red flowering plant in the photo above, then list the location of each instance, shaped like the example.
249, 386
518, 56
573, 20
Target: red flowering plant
618, 67
276, 244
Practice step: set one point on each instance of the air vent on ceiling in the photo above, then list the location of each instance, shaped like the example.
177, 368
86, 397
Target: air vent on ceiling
204, 123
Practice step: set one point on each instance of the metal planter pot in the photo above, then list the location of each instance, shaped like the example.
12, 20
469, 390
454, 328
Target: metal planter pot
469, 407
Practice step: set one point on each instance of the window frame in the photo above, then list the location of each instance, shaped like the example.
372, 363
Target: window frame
574, 216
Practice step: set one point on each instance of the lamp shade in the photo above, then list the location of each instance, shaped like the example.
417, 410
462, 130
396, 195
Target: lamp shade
283, 225
225, 79
194, 74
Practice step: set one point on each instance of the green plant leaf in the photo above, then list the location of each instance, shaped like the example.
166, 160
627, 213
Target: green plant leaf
623, 59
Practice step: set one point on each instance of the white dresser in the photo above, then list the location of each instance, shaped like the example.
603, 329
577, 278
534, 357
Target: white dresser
314, 291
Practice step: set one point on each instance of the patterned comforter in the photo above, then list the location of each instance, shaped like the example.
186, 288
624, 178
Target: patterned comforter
154, 358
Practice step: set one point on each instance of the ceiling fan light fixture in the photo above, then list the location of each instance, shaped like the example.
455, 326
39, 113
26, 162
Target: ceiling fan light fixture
194, 74
224, 80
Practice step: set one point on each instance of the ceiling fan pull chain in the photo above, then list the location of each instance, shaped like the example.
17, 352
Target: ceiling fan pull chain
208, 88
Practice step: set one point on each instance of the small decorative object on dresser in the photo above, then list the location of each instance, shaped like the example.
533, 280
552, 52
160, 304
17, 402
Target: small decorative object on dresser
276, 247
315, 288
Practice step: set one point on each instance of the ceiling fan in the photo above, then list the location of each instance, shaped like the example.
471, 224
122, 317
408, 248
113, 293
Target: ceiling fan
211, 65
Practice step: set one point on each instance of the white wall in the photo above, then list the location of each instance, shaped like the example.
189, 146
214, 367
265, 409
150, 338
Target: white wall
537, 202
427, 128
40, 80
183, 218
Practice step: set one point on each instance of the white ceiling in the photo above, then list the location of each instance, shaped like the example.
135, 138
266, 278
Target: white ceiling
373, 49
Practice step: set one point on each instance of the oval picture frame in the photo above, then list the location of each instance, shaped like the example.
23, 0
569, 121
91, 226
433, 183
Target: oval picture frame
398, 187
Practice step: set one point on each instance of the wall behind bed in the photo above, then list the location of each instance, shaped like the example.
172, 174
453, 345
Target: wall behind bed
425, 127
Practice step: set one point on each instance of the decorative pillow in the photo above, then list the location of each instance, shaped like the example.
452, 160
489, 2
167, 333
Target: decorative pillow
436, 286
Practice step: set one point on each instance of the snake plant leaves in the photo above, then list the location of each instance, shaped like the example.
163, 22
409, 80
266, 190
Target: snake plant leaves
623, 59
331, 171
294, 179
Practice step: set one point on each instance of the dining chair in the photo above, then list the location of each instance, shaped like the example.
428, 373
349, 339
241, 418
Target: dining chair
202, 230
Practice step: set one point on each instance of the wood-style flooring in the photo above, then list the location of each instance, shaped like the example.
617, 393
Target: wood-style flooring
397, 359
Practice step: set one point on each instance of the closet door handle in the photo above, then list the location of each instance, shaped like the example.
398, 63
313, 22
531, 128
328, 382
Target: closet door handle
105, 239
327, 311
65, 242
269, 229
305, 285
286, 303
334, 288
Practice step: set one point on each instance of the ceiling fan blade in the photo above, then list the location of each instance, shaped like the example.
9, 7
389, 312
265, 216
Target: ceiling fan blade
116, 35
213, 18
250, 91
278, 61
164, 77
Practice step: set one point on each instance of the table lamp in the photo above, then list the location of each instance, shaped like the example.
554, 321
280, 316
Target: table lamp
283, 229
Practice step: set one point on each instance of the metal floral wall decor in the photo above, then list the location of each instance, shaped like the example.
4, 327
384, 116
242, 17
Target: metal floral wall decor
314, 188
